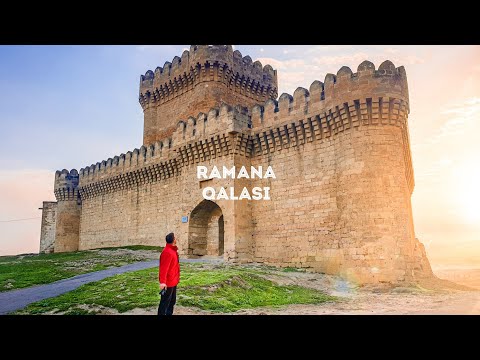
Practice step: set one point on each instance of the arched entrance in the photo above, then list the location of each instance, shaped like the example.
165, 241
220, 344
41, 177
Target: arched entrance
206, 230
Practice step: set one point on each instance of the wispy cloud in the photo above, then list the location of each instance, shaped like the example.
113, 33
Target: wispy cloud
468, 108
146, 47
433, 172
341, 59
458, 116
319, 49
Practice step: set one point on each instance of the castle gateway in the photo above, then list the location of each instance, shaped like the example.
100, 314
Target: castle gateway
340, 200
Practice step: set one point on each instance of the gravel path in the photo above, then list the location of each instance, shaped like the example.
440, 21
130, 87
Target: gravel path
17, 299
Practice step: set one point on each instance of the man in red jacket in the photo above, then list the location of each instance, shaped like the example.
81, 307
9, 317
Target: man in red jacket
169, 275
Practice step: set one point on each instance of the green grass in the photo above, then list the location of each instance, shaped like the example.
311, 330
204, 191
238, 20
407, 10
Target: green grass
136, 247
26, 270
219, 289
291, 269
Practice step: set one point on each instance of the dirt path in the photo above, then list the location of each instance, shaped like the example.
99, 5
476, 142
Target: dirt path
17, 299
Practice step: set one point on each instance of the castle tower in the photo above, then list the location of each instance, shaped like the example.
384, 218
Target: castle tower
203, 78
68, 211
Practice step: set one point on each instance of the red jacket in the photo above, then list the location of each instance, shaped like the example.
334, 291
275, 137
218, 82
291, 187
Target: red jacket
169, 269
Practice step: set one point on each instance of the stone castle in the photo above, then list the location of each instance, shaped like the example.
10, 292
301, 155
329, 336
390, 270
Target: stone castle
340, 203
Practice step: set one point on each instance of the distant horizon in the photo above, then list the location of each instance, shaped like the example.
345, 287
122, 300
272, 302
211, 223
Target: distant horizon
83, 108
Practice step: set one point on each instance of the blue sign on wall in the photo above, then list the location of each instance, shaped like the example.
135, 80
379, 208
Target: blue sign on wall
184, 219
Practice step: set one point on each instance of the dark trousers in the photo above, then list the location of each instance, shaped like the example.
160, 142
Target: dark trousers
167, 301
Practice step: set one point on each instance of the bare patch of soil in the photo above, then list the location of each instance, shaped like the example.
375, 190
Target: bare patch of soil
430, 296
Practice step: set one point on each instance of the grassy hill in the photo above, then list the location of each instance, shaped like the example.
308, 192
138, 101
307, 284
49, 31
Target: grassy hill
34, 269
218, 288
214, 288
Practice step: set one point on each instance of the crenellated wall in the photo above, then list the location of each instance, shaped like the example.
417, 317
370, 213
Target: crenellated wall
68, 210
340, 200
347, 100
203, 78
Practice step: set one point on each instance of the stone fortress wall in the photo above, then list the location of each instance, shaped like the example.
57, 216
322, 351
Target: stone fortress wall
340, 201
47, 234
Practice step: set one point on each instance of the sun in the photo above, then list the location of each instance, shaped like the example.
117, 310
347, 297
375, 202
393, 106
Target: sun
467, 192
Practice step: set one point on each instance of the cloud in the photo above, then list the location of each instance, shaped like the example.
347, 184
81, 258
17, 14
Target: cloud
315, 63
318, 49
277, 64
156, 50
345, 55
291, 64
409, 60
459, 115
341, 59
146, 47
353, 60
433, 172
467, 108
391, 51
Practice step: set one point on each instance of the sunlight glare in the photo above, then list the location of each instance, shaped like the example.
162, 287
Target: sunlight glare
467, 177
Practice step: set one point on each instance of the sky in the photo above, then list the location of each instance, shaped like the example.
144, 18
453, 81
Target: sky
72, 106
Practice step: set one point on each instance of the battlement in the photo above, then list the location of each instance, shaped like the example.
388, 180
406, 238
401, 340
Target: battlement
129, 161
367, 97
203, 78
207, 63
223, 120
385, 89
342, 101
66, 185
206, 128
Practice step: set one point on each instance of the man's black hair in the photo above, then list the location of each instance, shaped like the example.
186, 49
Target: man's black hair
169, 238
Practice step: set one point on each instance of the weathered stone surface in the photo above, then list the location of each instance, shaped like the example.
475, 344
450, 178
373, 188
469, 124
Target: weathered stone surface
47, 235
340, 202
202, 79
68, 212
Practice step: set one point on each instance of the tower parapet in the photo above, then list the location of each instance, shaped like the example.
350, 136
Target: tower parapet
67, 232
369, 94
343, 101
203, 78
66, 185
